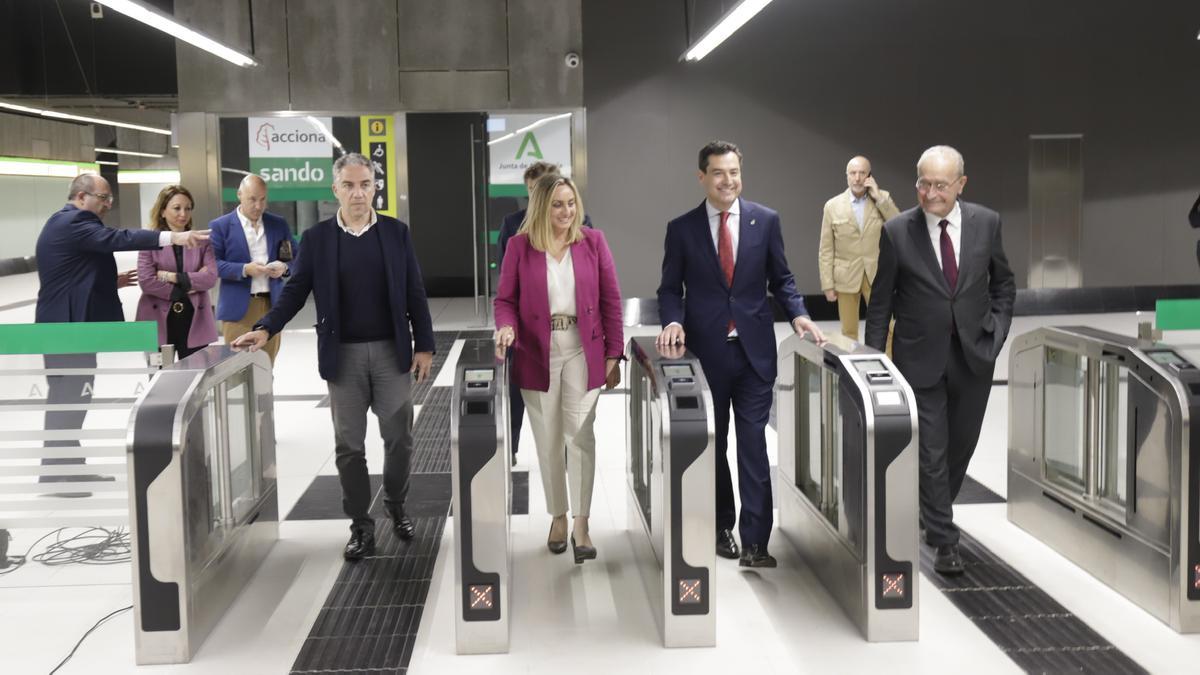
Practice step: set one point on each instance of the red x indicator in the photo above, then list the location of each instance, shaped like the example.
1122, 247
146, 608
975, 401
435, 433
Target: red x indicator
689, 591
481, 596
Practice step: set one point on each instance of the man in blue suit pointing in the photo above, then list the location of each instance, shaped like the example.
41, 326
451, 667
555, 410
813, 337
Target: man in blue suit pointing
254, 251
719, 261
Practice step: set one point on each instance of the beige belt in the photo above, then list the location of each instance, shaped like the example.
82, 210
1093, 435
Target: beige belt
562, 321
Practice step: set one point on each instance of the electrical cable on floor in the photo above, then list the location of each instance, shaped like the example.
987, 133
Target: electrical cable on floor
89, 632
92, 546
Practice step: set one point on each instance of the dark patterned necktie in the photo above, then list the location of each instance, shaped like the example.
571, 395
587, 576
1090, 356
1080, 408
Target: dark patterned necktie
949, 264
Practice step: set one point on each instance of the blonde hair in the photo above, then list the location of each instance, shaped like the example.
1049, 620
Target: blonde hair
537, 224
157, 221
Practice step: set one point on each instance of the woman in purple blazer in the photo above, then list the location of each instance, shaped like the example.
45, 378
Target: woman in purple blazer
559, 308
175, 281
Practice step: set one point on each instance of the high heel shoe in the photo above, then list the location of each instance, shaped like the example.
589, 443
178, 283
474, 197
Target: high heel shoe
582, 552
555, 547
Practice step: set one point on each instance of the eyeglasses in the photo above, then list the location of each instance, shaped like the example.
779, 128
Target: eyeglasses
102, 197
938, 186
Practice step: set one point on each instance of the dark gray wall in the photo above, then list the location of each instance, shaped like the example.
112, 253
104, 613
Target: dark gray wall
806, 85
383, 55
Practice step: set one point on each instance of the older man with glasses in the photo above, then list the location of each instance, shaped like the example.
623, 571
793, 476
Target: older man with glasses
944, 278
79, 282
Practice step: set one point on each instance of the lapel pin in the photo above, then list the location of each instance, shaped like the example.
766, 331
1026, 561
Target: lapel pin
753, 221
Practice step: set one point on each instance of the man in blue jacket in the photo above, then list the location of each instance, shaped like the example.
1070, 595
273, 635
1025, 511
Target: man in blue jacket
371, 308
719, 261
79, 282
254, 251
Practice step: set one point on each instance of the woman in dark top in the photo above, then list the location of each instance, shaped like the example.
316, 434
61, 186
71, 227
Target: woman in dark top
175, 281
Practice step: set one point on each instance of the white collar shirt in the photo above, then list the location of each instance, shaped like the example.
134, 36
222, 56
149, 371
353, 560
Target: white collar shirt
954, 228
352, 233
256, 241
733, 223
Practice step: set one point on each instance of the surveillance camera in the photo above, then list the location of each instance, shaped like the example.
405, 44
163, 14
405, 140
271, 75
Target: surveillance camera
97, 11
572, 60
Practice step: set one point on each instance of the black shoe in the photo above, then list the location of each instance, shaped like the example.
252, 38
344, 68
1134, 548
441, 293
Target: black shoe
726, 545
361, 545
582, 553
946, 560
402, 525
555, 547
756, 555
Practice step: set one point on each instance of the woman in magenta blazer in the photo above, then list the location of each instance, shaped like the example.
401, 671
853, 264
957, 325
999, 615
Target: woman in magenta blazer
559, 308
175, 281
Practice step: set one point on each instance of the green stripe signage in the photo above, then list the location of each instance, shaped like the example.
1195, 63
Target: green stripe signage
92, 337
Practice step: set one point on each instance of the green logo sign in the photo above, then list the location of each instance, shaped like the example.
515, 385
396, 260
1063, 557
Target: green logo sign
529, 141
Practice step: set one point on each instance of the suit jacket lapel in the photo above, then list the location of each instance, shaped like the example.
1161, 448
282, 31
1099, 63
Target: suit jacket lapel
700, 224
389, 245
919, 232
967, 242
238, 233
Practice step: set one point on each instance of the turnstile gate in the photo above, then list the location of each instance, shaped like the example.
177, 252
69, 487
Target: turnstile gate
848, 458
482, 485
1103, 462
672, 490
203, 504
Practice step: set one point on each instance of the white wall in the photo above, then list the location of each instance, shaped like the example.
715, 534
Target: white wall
28, 203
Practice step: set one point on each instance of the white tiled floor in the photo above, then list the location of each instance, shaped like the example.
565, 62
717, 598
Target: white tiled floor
566, 618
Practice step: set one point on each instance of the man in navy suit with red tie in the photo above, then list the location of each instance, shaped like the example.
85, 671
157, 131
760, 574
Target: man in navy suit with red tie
720, 259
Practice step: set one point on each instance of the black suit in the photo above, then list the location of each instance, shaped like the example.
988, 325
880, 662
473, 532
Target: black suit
945, 342
1194, 219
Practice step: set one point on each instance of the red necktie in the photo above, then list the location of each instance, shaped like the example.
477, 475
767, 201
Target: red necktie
725, 255
949, 264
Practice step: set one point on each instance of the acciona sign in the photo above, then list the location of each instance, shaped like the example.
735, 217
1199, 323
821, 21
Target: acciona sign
292, 153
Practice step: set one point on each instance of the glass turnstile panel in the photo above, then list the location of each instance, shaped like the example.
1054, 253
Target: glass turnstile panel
243, 483
808, 416
642, 445
819, 435
1066, 419
1114, 436
212, 446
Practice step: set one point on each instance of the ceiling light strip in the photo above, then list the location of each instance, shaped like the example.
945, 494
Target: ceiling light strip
167, 24
728, 25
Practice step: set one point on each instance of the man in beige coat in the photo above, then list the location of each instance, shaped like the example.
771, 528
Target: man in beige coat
849, 253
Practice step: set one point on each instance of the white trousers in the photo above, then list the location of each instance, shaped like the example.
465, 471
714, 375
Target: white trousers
564, 415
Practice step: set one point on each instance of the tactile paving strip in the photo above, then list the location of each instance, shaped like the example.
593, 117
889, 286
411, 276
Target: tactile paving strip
370, 619
1028, 625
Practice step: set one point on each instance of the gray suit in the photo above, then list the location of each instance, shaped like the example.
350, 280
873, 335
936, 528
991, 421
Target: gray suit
945, 343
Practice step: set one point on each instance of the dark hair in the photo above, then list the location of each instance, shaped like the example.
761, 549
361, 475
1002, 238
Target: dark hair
717, 148
539, 169
157, 221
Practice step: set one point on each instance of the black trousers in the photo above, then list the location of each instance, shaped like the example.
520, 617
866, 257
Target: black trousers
516, 408
949, 416
66, 390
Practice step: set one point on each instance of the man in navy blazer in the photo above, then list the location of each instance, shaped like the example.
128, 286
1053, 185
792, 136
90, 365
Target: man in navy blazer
362, 270
79, 282
254, 251
719, 261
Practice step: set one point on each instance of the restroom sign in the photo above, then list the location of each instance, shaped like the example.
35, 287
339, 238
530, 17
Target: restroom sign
378, 144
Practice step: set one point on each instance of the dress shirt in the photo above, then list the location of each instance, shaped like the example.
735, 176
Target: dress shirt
352, 233
859, 204
560, 284
256, 241
954, 228
164, 238
733, 223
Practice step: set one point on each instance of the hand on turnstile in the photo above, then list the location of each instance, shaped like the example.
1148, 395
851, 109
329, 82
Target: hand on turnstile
803, 324
504, 337
671, 334
613, 373
254, 340
671, 351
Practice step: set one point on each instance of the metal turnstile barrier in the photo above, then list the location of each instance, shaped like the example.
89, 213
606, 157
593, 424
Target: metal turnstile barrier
202, 497
1102, 462
670, 473
848, 459
482, 486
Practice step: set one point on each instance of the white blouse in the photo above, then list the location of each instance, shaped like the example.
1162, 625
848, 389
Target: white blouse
560, 282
